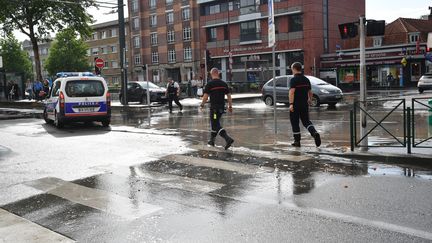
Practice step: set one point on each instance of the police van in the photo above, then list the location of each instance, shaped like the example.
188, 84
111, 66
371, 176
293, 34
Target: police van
78, 97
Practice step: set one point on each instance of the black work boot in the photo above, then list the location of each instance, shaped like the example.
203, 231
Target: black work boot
229, 141
211, 142
296, 144
317, 138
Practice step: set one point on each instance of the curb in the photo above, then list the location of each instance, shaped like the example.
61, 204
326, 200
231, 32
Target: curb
422, 161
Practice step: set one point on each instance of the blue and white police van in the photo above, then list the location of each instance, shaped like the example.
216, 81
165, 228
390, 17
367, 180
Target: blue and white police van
78, 97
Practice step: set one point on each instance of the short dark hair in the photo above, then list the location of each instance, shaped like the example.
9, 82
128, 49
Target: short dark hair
297, 66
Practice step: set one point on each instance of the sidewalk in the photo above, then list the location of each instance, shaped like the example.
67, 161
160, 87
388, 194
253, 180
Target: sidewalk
116, 105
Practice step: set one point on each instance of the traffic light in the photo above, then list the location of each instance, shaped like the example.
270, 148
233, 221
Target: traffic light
348, 30
375, 28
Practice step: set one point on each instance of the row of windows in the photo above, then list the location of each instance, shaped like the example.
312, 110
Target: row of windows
101, 50
104, 34
169, 16
251, 30
187, 56
245, 6
187, 36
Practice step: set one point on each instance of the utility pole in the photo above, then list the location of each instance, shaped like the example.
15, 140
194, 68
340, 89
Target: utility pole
363, 88
122, 42
230, 61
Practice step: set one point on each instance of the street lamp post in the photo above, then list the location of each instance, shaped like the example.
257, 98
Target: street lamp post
229, 44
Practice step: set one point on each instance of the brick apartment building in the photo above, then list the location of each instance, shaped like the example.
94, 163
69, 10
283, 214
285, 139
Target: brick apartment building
404, 39
305, 29
104, 43
164, 35
44, 47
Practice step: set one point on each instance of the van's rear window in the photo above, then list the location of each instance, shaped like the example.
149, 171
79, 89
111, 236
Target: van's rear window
84, 88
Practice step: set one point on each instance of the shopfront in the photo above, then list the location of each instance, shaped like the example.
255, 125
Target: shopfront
385, 68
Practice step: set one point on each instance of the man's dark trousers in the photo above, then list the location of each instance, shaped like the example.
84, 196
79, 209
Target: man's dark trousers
301, 113
174, 98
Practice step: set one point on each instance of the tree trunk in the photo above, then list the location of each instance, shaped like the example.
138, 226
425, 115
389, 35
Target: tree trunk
37, 59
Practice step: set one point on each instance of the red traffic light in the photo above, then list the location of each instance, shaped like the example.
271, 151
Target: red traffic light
348, 30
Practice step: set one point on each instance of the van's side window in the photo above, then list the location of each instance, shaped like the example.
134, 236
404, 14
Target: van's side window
56, 89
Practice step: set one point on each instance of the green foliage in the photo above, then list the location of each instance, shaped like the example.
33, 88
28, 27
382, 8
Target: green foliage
38, 18
15, 59
67, 53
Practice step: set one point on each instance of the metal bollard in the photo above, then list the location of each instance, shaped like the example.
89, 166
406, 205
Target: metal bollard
408, 124
352, 127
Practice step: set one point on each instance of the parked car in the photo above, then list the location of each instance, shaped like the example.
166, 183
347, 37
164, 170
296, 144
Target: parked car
425, 83
78, 97
137, 92
323, 92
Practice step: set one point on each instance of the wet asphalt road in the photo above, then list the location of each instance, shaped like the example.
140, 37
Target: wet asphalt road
130, 183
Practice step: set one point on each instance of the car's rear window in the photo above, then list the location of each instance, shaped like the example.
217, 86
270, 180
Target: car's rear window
427, 75
84, 88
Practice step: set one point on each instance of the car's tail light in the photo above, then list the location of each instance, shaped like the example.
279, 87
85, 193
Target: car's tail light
108, 99
62, 100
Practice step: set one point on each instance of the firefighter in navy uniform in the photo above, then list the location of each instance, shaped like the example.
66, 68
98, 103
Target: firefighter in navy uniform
300, 95
172, 93
216, 89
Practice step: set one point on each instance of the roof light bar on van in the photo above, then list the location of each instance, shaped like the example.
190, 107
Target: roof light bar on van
74, 74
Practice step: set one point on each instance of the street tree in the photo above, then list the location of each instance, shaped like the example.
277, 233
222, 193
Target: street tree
67, 53
38, 18
15, 59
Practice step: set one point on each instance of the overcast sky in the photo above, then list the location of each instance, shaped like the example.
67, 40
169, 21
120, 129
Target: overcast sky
387, 10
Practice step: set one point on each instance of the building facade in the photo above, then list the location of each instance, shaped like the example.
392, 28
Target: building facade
44, 47
305, 29
164, 36
104, 43
397, 59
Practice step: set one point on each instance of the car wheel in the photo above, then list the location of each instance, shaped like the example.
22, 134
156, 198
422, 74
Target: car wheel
45, 117
315, 102
268, 100
332, 104
106, 123
421, 91
57, 122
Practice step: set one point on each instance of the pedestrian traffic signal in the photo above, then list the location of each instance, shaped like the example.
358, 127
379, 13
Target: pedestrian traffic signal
348, 30
375, 28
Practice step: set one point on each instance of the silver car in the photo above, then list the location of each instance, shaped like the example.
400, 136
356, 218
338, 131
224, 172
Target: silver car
425, 82
323, 92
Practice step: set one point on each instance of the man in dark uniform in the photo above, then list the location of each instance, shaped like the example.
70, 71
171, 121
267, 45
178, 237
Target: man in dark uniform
300, 95
216, 89
172, 93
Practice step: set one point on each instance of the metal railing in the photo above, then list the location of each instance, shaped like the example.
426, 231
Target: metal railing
419, 102
409, 124
379, 123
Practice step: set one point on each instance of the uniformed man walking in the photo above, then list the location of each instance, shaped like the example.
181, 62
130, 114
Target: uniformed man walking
216, 89
172, 93
300, 95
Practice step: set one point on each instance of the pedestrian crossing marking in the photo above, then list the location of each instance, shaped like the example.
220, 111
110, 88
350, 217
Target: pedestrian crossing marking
217, 164
17, 229
260, 154
95, 198
177, 182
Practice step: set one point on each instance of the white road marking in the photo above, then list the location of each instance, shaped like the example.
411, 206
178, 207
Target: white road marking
17, 229
255, 153
218, 164
95, 198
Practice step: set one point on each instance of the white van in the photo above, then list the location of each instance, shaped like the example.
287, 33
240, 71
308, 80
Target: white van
76, 97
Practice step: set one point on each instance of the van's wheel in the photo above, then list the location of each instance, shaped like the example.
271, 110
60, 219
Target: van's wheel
268, 100
421, 91
45, 117
315, 102
106, 123
57, 122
